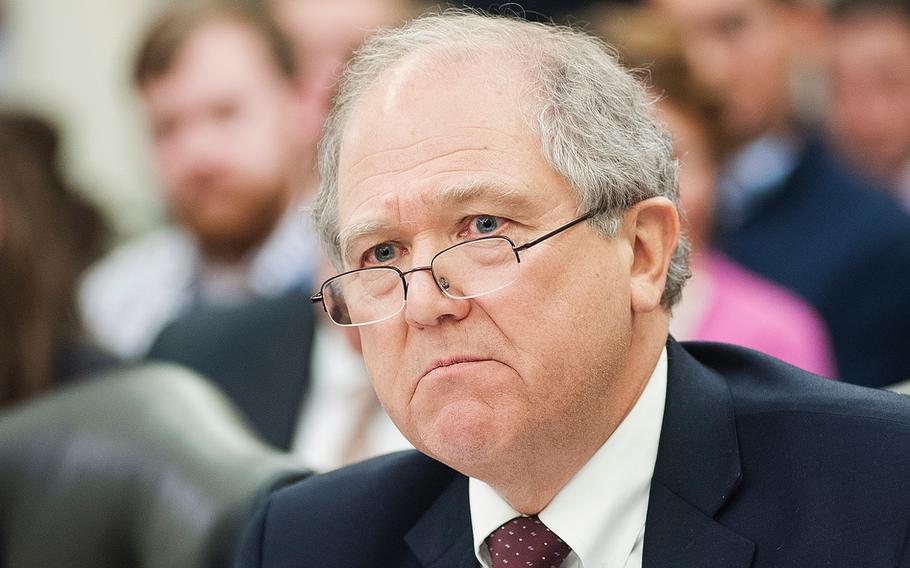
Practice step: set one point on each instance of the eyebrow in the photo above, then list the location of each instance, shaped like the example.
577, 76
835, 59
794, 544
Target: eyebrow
487, 191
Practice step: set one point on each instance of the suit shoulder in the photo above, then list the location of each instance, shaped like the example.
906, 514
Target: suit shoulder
354, 516
760, 384
387, 487
346, 518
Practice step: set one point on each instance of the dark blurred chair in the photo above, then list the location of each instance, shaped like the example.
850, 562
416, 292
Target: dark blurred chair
146, 467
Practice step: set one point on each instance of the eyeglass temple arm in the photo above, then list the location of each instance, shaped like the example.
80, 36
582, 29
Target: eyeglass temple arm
316, 298
554, 232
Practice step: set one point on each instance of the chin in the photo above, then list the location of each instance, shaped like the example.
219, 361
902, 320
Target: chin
462, 435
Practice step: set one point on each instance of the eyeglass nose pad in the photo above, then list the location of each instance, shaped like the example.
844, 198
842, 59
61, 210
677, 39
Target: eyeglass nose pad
443, 283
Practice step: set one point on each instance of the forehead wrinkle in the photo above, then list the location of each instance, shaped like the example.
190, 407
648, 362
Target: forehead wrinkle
416, 146
396, 169
490, 191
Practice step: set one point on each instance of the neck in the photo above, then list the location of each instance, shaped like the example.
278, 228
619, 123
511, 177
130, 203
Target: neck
225, 253
536, 483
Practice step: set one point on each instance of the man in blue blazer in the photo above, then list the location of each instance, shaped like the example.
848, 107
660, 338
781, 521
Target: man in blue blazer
502, 209
789, 208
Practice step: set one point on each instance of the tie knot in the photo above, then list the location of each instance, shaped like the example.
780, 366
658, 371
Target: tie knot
525, 542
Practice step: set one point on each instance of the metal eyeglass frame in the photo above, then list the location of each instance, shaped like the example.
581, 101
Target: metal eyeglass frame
320, 298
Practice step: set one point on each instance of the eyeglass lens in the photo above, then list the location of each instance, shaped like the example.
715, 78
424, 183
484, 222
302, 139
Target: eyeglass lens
468, 270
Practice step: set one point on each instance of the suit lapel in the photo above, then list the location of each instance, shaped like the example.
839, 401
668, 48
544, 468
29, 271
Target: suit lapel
697, 472
442, 537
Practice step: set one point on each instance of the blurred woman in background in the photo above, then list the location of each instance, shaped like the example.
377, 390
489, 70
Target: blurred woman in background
48, 236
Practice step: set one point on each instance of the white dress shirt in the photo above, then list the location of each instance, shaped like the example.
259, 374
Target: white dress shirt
601, 511
341, 409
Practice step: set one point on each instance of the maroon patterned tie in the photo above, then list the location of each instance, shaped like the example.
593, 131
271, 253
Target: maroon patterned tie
525, 542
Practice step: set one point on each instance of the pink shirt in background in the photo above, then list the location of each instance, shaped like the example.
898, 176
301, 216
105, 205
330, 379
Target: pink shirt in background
745, 309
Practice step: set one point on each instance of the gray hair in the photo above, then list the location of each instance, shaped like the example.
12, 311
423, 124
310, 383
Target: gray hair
594, 119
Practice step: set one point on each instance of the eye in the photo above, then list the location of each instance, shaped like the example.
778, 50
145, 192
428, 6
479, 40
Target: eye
485, 224
383, 253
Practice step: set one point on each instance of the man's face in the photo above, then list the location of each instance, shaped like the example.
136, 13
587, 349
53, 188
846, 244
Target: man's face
431, 158
222, 122
739, 48
870, 102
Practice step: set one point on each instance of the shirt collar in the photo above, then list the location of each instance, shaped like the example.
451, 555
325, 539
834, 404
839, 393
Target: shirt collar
763, 163
601, 531
753, 175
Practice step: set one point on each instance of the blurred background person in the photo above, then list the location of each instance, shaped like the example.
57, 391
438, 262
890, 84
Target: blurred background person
338, 420
300, 384
722, 301
324, 33
48, 236
787, 208
217, 83
870, 89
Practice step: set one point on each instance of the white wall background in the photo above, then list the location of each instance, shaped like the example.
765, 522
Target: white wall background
71, 61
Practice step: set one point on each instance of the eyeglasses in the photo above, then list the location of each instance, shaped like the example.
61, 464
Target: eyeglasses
462, 271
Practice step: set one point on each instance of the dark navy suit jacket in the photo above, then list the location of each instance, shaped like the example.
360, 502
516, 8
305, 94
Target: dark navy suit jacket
846, 249
257, 353
759, 465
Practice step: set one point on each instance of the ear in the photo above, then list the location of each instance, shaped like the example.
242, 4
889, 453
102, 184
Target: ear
653, 228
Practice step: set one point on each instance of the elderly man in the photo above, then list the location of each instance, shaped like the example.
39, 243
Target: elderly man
501, 205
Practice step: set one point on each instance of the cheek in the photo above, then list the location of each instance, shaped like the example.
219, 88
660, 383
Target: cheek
382, 346
170, 163
258, 146
567, 348
262, 158
553, 312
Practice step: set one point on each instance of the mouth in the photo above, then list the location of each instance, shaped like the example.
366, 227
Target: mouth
450, 362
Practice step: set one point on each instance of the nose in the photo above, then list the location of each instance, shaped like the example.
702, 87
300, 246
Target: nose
196, 154
427, 305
